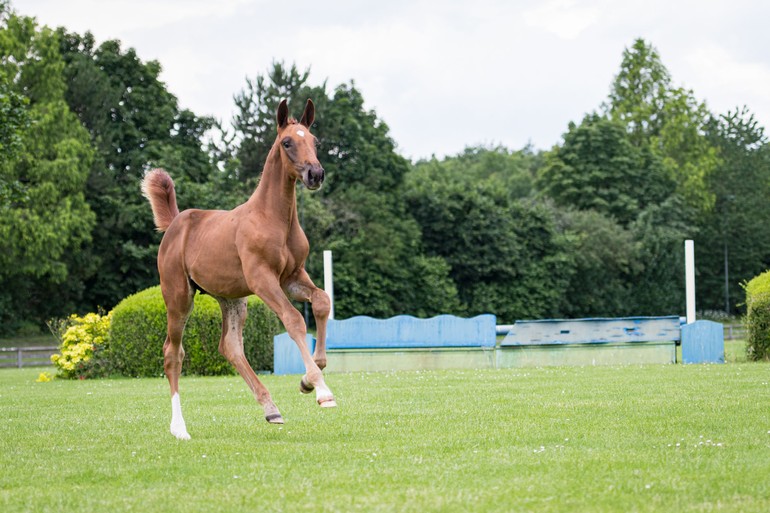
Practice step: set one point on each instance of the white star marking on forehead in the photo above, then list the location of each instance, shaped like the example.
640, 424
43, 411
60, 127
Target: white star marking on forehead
300, 133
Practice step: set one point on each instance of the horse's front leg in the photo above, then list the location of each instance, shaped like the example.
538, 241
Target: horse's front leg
270, 291
303, 289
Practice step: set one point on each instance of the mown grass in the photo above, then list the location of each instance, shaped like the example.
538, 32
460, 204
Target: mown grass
637, 438
735, 351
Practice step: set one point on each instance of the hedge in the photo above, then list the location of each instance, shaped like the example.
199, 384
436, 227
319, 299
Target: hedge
758, 317
138, 330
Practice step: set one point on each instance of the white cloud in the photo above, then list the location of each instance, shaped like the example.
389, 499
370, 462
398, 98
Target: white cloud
441, 74
567, 19
112, 18
722, 74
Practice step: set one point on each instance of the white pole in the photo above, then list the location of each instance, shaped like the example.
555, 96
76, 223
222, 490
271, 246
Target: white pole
329, 280
689, 269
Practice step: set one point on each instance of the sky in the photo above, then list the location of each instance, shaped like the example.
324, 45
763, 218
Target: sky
443, 75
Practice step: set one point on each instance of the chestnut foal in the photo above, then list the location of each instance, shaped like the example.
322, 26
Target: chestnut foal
257, 248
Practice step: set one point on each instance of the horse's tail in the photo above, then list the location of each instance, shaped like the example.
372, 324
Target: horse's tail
158, 187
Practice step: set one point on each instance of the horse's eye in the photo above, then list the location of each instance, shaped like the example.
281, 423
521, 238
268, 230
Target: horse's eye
286, 143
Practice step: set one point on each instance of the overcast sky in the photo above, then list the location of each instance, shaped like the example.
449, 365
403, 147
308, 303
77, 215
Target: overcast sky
446, 74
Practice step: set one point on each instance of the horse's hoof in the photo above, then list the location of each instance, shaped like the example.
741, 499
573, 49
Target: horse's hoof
305, 387
181, 434
327, 402
178, 429
275, 418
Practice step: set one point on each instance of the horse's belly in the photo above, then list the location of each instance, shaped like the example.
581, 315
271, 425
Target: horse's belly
219, 275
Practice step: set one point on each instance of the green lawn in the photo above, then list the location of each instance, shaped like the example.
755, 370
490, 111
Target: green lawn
735, 351
667, 438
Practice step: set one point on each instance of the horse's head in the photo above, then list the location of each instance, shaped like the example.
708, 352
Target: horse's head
298, 146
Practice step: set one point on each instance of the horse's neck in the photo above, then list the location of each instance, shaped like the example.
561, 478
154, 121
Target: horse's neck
276, 195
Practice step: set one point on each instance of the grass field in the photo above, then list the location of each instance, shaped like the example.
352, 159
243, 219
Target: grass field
637, 438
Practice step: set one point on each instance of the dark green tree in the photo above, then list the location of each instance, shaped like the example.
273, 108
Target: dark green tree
733, 243
135, 124
42, 231
512, 171
605, 263
14, 118
506, 255
659, 234
598, 168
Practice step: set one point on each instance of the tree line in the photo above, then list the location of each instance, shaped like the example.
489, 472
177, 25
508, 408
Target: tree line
591, 227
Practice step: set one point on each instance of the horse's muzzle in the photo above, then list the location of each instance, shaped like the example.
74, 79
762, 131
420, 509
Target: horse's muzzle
313, 176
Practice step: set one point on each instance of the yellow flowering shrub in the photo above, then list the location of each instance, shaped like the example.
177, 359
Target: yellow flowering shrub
82, 341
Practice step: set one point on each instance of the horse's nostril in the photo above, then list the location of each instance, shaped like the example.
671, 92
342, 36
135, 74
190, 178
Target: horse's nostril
314, 176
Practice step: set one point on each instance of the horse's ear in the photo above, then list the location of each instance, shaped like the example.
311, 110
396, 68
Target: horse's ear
309, 115
283, 114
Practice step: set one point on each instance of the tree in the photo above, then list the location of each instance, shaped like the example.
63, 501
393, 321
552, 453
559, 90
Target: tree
688, 156
659, 234
733, 243
639, 92
668, 121
671, 124
14, 119
512, 171
606, 260
598, 168
43, 232
505, 254
135, 124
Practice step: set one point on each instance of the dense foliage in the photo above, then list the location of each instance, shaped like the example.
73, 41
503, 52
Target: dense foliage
593, 226
82, 352
138, 329
758, 317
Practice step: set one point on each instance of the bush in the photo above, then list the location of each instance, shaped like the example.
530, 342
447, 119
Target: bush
83, 341
138, 331
758, 317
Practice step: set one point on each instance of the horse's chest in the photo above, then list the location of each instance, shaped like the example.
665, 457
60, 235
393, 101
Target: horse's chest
281, 255
293, 258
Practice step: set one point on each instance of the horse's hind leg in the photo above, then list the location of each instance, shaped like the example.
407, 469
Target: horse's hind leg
179, 304
231, 346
